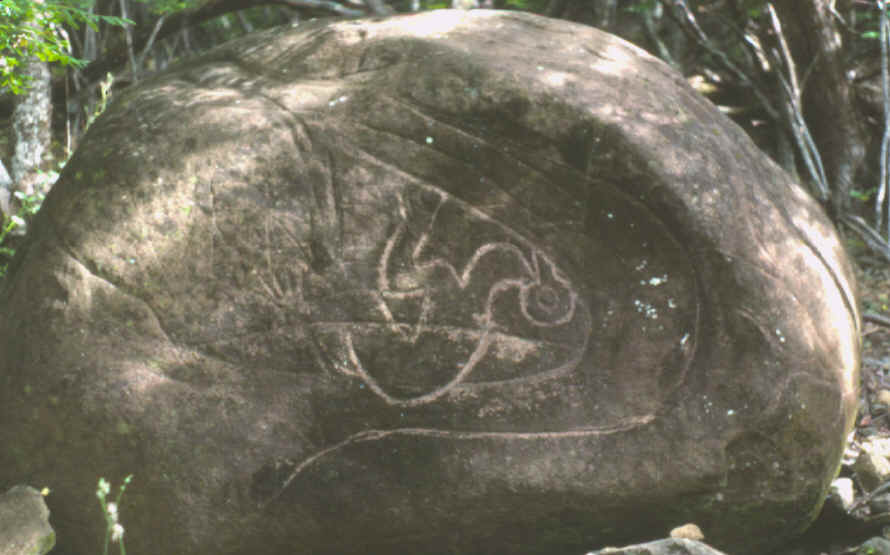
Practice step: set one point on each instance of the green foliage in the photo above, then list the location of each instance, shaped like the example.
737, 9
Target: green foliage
863, 195
104, 95
536, 6
29, 206
755, 9
114, 531
871, 20
30, 203
162, 7
29, 28
642, 6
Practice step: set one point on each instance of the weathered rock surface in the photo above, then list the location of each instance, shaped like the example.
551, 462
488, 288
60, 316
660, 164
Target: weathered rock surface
24, 523
469, 282
672, 546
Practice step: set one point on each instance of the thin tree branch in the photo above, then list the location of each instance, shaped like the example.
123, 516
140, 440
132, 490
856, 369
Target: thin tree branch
128, 33
690, 25
869, 236
808, 150
214, 8
880, 205
876, 318
151, 39
786, 52
652, 34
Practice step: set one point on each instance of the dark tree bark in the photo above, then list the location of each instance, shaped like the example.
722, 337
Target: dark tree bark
837, 129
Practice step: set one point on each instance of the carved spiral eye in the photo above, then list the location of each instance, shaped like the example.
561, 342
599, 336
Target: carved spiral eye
546, 298
548, 305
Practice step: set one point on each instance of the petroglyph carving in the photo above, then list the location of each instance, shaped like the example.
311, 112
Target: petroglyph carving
501, 309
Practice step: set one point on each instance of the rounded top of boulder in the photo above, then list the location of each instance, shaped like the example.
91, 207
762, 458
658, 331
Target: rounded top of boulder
473, 281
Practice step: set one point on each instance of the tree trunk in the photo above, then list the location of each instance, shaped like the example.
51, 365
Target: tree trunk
836, 126
31, 125
5, 193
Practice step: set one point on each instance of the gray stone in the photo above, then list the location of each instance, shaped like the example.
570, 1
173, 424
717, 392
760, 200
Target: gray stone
672, 546
689, 531
24, 523
842, 494
874, 546
463, 281
872, 466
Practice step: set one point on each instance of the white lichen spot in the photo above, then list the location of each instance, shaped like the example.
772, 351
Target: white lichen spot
406, 281
557, 79
646, 309
780, 336
656, 281
429, 140
514, 350
730, 412
610, 215
672, 303
641, 265
117, 533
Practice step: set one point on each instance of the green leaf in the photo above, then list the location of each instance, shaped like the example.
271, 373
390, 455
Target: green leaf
641, 7
30, 28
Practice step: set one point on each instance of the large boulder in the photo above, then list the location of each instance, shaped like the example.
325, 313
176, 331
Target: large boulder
455, 282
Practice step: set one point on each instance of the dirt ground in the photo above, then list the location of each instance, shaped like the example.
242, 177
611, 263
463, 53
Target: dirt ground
874, 289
